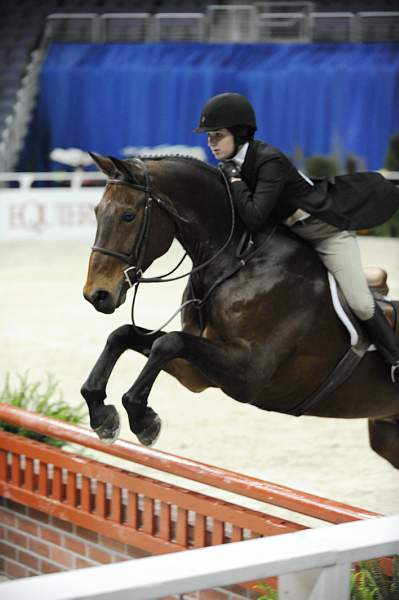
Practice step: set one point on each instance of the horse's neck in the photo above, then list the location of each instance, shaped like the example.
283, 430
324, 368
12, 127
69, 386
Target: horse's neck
199, 197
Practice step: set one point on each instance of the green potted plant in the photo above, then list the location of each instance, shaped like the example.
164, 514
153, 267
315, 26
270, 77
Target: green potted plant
41, 397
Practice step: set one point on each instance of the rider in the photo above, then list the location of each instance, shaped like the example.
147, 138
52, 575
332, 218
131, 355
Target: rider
265, 183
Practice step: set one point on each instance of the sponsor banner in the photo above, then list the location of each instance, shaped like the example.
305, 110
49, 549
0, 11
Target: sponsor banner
48, 214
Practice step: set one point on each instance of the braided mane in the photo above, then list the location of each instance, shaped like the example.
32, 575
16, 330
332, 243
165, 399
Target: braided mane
180, 157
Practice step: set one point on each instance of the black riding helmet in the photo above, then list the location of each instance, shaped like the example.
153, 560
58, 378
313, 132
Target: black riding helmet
227, 111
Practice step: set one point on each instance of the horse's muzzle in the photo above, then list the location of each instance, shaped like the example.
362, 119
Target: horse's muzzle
101, 300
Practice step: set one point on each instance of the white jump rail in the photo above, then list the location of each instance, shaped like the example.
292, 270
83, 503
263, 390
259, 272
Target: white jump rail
313, 564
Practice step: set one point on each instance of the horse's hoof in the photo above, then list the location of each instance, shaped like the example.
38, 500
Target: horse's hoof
110, 428
150, 434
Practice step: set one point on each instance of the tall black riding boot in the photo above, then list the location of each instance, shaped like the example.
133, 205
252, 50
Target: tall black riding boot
385, 340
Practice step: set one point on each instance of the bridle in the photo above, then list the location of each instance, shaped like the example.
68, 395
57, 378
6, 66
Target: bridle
135, 259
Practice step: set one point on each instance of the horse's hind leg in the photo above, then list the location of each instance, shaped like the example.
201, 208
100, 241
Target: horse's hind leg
104, 419
384, 438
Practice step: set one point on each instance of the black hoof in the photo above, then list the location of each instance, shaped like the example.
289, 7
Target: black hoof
109, 429
150, 434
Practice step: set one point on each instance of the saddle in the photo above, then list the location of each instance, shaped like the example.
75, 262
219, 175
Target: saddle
360, 343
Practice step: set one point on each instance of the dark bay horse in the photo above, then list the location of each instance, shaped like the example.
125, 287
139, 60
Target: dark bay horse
266, 334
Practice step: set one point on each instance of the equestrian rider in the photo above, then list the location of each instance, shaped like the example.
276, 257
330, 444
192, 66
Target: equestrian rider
265, 183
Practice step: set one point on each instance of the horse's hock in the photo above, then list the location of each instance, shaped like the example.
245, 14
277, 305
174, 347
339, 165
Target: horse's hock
60, 510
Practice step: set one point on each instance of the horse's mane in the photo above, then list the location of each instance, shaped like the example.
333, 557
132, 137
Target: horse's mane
181, 157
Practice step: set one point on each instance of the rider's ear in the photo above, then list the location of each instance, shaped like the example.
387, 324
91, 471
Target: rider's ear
104, 163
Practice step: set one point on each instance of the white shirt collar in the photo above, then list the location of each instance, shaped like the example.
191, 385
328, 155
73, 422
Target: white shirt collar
240, 156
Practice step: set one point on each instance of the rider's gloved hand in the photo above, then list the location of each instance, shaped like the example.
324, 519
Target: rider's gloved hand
230, 169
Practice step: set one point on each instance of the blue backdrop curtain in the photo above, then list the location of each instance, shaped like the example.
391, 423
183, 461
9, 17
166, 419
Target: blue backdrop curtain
317, 97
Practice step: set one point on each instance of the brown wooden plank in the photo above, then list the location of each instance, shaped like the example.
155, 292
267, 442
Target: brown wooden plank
43, 479
132, 508
16, 469
165, 522
182, 527
148, 516
217, 532
29, 476
237, 534
100, 499
200, 531
85, 498
116, 505
71, 496
3, 465
57, 484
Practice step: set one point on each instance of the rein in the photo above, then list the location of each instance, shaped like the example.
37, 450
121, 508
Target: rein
133, 257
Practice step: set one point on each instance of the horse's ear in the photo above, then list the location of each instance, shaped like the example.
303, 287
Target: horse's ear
121, 167
104, 163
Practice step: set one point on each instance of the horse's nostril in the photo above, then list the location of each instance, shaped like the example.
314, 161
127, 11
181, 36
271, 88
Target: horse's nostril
100, 296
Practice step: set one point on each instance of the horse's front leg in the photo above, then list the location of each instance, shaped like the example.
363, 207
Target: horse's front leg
223, 365
104, 419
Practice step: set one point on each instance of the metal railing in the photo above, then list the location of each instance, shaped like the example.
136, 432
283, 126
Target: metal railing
71, 27
233, 23
333, 26
280, 27
377, 26
125, 27
188, 27
259, 22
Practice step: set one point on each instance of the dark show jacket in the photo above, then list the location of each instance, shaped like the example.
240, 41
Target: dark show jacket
272, 187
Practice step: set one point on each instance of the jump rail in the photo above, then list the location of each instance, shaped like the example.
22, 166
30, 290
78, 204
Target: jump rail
256, 489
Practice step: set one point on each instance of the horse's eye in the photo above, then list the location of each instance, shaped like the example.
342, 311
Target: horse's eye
128, 216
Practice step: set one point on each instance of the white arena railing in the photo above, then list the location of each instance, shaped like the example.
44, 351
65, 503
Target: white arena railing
314, 564
33, 210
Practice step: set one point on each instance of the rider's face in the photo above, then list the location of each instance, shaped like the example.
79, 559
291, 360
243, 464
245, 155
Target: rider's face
221, 143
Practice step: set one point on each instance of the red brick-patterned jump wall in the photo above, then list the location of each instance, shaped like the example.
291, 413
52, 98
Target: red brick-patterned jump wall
34, 543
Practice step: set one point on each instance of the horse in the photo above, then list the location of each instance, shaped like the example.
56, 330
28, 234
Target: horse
258, 324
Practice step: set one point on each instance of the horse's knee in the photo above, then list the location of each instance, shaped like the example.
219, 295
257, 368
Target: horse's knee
168, 346
119, 337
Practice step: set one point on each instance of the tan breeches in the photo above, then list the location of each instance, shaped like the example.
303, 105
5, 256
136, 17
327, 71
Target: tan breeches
340, 253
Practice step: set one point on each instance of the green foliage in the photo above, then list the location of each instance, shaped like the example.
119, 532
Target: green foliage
368, 583
392, 156
269, 593
41, 397
321, 166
